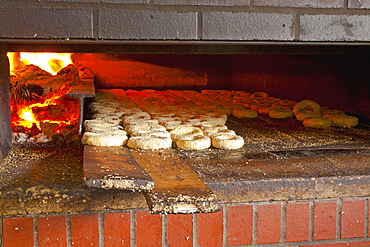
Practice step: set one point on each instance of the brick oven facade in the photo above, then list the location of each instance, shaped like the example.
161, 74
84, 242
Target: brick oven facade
331, 212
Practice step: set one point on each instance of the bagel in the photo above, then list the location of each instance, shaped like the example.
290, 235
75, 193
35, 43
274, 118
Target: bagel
280, 113
307, 105
343, 121
149, 142
143, 126
196, 142
317, 122
149, 133
222, 132
227, 141
302, 115
264, 110
244, 113
182, 131
104, 138
213, 130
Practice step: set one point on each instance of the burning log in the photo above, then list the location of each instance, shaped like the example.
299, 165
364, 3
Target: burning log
40, 105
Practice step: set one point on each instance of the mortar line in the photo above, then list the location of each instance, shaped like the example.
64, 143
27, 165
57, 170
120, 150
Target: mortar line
101, 219
339, 218
35, 231
68, 230
254, 223
311, 220
345, 4
224, 224
95, 23
297, 26
200, 24
1, 232
283, 223
132, 228
164, 229
195, 230
366, 218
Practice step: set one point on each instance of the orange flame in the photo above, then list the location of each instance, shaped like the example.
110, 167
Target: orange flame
48, 61
27, 118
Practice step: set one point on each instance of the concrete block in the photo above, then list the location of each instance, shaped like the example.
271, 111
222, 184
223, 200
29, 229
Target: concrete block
359, 4
203, 2
334, 28
300, 3
45, 23
152, 25
247, 26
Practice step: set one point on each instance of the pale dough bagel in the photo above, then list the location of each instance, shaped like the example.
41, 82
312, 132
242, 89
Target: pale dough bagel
104, 138
227, 141
216, 118
181, 131
224, 132
307, 105
149, 143
111, 102
280, 113
109, 119
95, 124
172, 126
103, 109
317, 122
343, 121
135, 117
100, 129
196, 142
150, 133
143, 126
245, 113
206, 124
302, 115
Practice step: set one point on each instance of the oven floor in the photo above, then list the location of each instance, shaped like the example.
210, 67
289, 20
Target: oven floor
281, 160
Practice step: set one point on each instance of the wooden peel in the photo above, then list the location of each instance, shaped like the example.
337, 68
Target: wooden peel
114, 168
177, 189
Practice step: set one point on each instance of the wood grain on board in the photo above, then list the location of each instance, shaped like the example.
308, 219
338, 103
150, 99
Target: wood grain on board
114, 168
177, 189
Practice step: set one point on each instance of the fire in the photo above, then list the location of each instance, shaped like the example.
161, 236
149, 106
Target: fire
27, 118
41, 106
48, 61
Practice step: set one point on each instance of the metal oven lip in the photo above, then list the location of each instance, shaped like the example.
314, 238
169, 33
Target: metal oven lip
185, 46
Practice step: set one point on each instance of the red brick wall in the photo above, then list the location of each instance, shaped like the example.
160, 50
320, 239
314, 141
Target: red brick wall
331, 222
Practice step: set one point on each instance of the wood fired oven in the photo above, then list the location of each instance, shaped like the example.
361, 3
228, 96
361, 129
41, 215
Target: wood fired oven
292, 51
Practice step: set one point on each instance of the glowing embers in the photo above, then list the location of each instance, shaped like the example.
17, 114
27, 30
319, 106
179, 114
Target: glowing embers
41, 110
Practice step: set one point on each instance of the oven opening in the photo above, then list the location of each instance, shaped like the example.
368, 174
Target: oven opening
97, 109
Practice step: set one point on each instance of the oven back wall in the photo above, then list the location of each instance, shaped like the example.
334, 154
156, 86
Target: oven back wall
336, 81
157, 71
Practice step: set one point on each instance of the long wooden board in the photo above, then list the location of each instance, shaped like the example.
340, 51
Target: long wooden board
114, 168
177, 189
